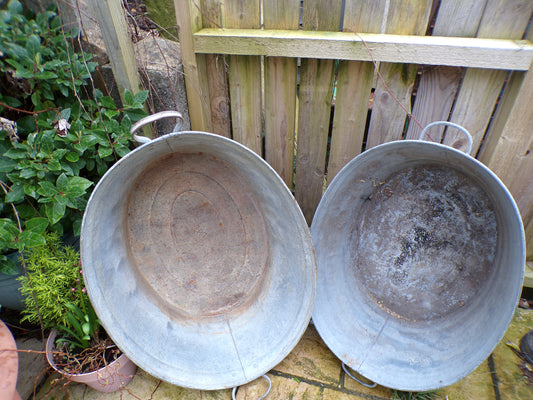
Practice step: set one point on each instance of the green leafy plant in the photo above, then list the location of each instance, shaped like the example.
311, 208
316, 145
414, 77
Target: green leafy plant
56, 298
52, 284
84, 326
59, 134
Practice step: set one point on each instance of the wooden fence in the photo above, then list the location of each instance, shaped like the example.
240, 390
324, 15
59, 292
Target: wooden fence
310, 84
297, 82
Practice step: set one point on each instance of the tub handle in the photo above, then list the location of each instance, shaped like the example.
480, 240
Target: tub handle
467, 134
368, 385
152, 118
234, 391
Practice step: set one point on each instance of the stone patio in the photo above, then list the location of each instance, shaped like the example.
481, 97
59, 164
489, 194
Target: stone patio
310, 371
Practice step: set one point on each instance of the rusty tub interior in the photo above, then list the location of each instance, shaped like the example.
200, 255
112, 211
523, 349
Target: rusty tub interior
198, 261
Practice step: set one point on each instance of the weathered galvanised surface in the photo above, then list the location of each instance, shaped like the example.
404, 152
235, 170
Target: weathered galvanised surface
198, 261
420, 252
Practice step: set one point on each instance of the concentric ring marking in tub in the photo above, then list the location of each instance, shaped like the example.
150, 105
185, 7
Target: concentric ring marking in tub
420, 255
198, 261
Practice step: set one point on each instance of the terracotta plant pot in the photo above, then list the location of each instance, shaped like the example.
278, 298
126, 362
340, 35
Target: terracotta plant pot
110, 378
9, 362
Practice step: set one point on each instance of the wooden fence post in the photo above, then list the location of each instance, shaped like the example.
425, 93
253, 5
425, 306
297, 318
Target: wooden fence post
112, 22
189, 20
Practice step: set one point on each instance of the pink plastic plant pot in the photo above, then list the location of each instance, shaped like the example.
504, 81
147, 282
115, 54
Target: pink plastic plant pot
8, 364
110, 378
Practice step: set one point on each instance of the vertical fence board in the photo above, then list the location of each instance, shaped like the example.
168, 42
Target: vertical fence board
316, 90
245, 78
354, 83
454, 18
216, 74
480, 89
189, 21
280, 92
112, 22
510, 154
405, 18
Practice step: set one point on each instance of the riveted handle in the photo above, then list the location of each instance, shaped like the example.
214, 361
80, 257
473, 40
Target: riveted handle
467, 134
152, 118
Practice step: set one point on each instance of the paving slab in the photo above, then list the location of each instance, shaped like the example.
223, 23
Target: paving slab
311, 359
511, 382
33, 366
311, 371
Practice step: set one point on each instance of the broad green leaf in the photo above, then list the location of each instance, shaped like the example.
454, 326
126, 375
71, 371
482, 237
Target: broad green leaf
15, 194
47, 189
72, 156
59, 153
89, 140
27, 173
135, 114
33, 45
121, 150
7, 165
8, 266
19, 53
46, 75
29, 239
30, 190
86, 329
15, 7
11, 101
38, 224
76, 227
103, 152
65, 114
141, 97
54, 165
128, 98
62, 183
16, 154
108, 102
55, 211
77, 186
9, 226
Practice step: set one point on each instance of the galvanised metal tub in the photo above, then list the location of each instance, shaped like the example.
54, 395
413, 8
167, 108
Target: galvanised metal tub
420, 254
198, 260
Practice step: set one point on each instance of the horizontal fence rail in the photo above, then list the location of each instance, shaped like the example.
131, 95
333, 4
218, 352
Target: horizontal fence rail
430, 50
294, 82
